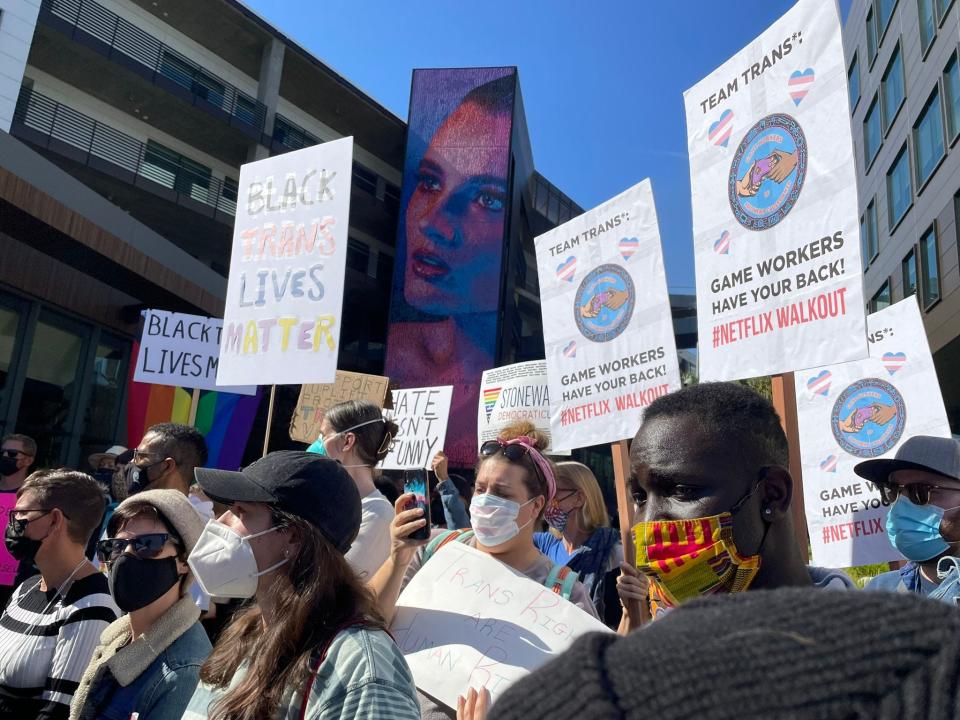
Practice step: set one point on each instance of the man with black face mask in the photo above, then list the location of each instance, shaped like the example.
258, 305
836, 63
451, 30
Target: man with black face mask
166, 458
709, 476
16, 456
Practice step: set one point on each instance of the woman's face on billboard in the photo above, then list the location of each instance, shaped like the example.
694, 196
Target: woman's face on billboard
455, 217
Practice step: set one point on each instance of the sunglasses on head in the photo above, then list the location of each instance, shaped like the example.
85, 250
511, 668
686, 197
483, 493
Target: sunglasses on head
145, 547
513, 453
917, 493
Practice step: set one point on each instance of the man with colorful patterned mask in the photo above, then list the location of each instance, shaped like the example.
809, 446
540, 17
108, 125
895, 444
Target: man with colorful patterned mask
709, 476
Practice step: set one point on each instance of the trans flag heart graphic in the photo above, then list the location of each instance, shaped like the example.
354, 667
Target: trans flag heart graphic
567, 269
894, 361
721, 246
820, 384
829, 464
799, 84
571, 349
719, 133
628, 246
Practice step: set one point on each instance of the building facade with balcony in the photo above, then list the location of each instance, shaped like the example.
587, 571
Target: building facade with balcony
128, 123
904, 78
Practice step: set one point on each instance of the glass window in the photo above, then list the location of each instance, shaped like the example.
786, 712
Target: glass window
872, 134
899, 188
928, 23
50, 389
882, 298
102, 414
871, 36
358, 255
384, 269
853, 82
364, 179
951, 96
884, 13
174, 171
9, 340
868, 233
929, 267
942, 7
891, 88
928, 138
909, 267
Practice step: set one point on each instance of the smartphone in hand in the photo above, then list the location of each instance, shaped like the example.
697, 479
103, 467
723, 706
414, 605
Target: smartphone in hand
415, 481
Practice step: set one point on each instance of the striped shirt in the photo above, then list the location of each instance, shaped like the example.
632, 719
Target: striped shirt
41, 666
364, 675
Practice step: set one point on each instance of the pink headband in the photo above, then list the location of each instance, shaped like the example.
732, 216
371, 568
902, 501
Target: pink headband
543, 465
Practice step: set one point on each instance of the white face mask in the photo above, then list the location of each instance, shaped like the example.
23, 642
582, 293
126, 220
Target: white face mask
223, 563
322, 449
494, 519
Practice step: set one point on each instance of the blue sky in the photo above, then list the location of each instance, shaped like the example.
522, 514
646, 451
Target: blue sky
602, 82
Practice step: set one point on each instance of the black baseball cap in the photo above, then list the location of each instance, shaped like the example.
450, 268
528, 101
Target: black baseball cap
304, 484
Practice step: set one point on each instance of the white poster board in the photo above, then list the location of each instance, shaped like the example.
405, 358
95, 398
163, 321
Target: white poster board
775, 218
182, 350
859, 411
285, 291
422, 415
607, 326
514, 393
467, 620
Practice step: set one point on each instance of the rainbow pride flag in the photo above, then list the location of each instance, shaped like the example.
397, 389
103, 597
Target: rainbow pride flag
490, 397
224, 419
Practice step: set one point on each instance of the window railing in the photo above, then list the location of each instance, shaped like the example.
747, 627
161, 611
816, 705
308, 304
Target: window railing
124, 37
40, 114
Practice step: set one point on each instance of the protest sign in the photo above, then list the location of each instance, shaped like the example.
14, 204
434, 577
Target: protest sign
315, 399
775, 218
514, 393
607, 325
183, 351
467, 620
285, 291
421, 414
859, 411
8, 566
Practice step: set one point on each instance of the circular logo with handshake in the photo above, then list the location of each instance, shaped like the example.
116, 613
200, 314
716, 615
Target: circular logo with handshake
868, 418
604, 303
767, 172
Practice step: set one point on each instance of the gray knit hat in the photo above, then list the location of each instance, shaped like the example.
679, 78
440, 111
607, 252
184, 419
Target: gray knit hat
176, 509
797, 654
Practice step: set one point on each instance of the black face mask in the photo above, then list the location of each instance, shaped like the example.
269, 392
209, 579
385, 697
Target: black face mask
138, 477
135, 582
8, 466
22, 548
104, 477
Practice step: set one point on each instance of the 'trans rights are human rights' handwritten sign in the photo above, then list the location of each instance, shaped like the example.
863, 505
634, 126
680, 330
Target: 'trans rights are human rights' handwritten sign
467, 620
285, 291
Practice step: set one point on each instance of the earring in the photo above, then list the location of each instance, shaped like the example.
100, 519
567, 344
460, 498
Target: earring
768, 511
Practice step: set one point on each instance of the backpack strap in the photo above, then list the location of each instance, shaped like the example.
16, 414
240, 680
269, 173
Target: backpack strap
561, 580
443, 538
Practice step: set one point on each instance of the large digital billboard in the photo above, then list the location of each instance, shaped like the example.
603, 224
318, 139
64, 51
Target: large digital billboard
450, 239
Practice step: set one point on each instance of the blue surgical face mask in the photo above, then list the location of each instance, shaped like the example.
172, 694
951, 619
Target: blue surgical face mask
914, 530
319, 446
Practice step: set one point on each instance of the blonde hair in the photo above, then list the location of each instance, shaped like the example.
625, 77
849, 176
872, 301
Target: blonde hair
593, 512
532, 481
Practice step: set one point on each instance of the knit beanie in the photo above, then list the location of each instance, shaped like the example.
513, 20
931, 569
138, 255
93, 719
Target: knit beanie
176, 509
789, 653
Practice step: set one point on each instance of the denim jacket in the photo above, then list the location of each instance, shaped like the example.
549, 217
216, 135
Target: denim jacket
155, 676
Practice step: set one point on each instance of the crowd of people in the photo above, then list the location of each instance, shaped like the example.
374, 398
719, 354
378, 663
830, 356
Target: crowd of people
153, 587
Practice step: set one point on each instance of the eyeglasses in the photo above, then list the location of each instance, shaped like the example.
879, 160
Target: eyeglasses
564, 494
11, 453
20, 523
146, 547
917, 493
139, 456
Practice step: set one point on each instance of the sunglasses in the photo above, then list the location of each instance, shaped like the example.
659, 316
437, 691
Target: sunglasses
13, 454
514, 453
145, 547
917, 493
20, 524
